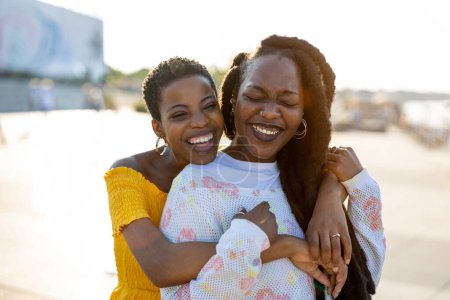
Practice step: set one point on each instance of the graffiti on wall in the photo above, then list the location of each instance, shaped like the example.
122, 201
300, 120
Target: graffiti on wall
45, 40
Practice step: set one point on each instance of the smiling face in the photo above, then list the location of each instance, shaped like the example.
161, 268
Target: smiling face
191, 121
268, 109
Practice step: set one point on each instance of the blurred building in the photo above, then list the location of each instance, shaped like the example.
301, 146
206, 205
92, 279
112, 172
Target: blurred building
428, 121
363, 110
45, 41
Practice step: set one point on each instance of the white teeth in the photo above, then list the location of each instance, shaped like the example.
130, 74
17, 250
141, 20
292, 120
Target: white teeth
201, 139
266, 131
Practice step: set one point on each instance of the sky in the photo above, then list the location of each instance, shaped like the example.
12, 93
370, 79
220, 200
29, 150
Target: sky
376, 45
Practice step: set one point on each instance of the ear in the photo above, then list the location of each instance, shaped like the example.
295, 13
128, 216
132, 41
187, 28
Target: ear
158, 129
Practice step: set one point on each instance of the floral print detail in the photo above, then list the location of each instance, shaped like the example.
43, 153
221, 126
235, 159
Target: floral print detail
267, 294
310, 282
184, 293
215, 263
193, 184
291, 278
191, 201
256, 193
233, 255
287, 227
226, 188
186, 235
256, 262
166, 218
372, 208
183, 189
206, 286
246, 283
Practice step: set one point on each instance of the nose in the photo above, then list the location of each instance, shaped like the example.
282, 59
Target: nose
199, 119
270, 111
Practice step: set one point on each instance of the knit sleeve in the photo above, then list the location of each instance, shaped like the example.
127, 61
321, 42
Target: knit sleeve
126, 197
190, 214
364, 211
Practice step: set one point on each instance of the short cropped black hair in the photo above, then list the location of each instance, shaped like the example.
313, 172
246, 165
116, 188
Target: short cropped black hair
164, 74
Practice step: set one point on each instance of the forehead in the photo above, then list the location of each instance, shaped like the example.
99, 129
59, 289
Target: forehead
186, 88
272, 70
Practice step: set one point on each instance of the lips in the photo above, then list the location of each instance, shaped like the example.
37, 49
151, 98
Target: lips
202, 143
201, 139
266, 132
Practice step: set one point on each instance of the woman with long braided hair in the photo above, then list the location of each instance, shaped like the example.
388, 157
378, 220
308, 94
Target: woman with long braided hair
181, 97
276, 106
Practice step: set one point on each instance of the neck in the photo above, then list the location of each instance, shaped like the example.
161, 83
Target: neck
241, 150
171, 164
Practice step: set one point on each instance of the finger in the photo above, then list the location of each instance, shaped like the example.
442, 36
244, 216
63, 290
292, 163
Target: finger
346, 244
332, 166
261, 207
350, 149
341, 277
325, 248
334, 157
314, 246
330, 288
335, 252
321, 277
264, 205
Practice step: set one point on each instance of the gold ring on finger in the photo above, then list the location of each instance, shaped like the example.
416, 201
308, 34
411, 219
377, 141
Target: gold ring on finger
335, 235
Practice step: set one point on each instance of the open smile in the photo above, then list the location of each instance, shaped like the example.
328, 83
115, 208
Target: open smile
266, 132
202, 143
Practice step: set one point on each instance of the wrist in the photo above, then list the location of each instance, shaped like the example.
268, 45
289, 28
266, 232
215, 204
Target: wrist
286, 244
331, 190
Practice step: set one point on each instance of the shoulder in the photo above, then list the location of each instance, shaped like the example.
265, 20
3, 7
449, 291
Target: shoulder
127, 162
140, 162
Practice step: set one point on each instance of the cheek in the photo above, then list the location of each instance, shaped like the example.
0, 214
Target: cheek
294, 119
217, 118
244, 110
174, 133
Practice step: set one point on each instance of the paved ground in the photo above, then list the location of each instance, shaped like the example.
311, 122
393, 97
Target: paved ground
55, 238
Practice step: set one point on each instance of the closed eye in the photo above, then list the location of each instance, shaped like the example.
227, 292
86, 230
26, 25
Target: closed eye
289, 104
252, 98
178, 115
211, 105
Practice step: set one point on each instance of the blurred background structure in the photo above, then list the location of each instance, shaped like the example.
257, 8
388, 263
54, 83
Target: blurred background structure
70, 105
39, 41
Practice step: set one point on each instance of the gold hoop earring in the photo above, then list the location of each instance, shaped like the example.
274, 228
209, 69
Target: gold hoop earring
301, 134
157, 147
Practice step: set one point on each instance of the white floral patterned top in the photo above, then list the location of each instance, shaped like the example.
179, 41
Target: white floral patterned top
201, 204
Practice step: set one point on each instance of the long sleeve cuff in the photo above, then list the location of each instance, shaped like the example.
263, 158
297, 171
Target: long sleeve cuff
241, 227
357, 181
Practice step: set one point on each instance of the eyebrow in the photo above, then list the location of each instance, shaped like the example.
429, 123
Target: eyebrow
263, 91
184, 105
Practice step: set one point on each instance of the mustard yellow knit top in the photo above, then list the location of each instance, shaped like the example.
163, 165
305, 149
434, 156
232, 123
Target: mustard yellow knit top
131, 197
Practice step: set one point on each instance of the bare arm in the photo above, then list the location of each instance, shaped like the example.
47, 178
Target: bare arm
167, 264
329, 219
164, 263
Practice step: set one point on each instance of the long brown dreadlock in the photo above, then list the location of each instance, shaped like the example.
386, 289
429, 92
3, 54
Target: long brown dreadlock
301, 177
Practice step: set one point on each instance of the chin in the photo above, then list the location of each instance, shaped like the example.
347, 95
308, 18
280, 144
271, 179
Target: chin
263, 156
203, 159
